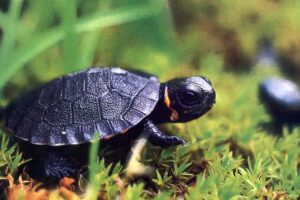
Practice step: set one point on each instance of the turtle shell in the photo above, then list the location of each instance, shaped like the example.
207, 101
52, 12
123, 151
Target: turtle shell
70, 109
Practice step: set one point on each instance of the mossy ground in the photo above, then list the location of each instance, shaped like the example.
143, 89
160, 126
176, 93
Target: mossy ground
234, 152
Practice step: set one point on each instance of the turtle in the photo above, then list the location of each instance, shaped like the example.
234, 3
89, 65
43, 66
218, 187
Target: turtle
69, 110
281, 98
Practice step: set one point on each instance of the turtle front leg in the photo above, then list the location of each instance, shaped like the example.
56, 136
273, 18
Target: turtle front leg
158, 138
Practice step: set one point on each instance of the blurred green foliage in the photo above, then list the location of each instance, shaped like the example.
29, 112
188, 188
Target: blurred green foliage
30, 41
236, 30
234, 151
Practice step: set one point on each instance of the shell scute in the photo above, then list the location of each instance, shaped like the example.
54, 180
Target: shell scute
104, 128
86, 110
39, 133
119, 125
134, 116
57, 136
50, 93
35, 114
74, 86
23, 129
59, 114
150, 92
113, 105
127, 84
143, 104
98, 82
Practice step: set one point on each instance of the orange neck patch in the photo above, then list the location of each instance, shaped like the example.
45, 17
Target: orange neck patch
174, 114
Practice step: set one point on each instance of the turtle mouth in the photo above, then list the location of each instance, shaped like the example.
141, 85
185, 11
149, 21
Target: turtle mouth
212, 98
209, 106
199, 113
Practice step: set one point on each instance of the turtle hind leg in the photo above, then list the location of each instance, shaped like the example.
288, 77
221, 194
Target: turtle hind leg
158, 138
53, 164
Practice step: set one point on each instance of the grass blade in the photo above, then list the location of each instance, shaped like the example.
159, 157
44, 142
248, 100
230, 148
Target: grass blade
116, 17
89, 23
94, 187
89, 48
3, 19
67, 10
9, 32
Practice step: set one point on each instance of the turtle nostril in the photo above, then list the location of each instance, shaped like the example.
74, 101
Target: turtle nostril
212, 98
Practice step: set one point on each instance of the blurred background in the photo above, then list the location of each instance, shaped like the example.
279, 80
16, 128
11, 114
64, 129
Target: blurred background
41, 40
236, 44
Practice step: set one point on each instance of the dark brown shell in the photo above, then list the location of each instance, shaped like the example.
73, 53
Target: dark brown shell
70, 109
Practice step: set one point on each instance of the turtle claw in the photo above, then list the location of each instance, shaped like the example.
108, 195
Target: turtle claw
180, 141
157, 137
175, 140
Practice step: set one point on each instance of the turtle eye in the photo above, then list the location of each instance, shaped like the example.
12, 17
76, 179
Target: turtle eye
190, 98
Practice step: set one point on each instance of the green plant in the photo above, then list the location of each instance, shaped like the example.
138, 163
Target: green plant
10, 157
101, 177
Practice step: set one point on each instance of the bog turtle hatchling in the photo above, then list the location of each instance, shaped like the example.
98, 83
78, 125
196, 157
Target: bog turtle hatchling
69, 110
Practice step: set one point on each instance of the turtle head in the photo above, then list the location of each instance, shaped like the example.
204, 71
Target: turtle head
188, 98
